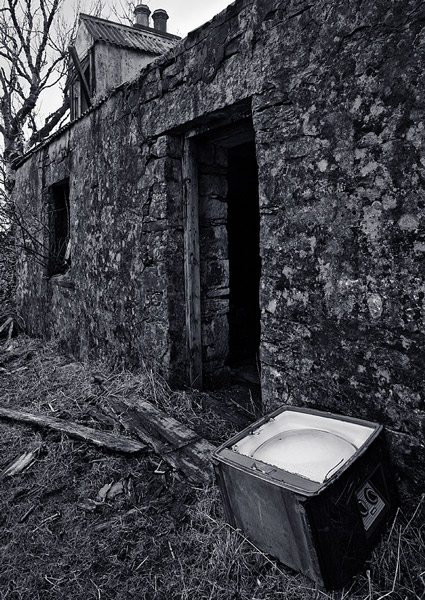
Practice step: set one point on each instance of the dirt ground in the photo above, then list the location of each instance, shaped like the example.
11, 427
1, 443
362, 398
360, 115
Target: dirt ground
83, 523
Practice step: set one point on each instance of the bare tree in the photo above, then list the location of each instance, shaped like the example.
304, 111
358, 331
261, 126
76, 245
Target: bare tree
33, 59
123, 10
34, 37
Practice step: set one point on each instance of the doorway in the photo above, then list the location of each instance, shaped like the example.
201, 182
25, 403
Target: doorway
222, 257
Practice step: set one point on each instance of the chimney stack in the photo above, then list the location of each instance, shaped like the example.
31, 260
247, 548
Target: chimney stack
160, 19
141, 15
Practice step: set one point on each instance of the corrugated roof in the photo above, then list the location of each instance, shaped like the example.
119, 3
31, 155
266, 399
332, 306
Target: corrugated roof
146, 39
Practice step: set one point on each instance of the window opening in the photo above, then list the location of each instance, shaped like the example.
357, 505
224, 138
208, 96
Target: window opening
59, 247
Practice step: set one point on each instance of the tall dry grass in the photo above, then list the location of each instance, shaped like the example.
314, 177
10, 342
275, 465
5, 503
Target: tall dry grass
160, 538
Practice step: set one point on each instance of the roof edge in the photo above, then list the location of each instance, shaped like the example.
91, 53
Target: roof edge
156, 32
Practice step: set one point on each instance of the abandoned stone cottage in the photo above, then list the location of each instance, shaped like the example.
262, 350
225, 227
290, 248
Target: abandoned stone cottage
255, 193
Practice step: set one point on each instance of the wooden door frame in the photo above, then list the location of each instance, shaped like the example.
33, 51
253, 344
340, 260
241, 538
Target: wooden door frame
226, 135
192, 276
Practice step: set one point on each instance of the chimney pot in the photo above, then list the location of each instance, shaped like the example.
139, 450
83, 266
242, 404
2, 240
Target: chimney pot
141, 15
160, 19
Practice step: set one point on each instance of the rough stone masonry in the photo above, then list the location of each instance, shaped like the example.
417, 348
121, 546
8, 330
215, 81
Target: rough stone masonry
331, 97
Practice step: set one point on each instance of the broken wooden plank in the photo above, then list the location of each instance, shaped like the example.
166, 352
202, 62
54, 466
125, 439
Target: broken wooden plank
100, 416
131, 420
101, 439
170, 430
13, 372
156, 420
21, 463
6, 324
193, 458
83, 81
9, 333
200, 452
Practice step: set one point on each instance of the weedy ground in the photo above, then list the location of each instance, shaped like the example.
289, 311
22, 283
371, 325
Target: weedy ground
157, 536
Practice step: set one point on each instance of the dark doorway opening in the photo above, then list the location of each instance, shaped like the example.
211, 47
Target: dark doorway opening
222, 259
243, 228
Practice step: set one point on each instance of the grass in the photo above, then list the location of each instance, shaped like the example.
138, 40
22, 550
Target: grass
160, 537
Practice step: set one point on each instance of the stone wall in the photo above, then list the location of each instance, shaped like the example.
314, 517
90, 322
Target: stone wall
343, 220
115, 300
336, 95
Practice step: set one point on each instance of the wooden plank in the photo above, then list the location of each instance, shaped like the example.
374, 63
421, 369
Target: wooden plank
81, 432
192, 458
200, 453
85, 86
192, 263
157, 421
130, 419
21, 463
6, 324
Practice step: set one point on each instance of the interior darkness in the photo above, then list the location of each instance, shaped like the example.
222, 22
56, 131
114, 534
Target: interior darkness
244, 255
59, 228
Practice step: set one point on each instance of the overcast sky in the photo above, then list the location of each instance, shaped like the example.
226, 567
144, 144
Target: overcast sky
186, 15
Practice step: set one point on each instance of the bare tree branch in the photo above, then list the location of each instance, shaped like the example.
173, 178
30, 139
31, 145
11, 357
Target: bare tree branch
34, 37
49, 124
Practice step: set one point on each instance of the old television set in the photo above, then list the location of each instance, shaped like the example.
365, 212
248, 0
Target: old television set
313, 489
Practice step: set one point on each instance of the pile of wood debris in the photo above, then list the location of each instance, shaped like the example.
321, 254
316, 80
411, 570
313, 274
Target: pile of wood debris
116, 403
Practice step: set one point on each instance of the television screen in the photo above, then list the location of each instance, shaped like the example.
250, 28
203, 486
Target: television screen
309, 445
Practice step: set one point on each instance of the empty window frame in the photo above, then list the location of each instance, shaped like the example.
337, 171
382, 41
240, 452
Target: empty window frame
59, 242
